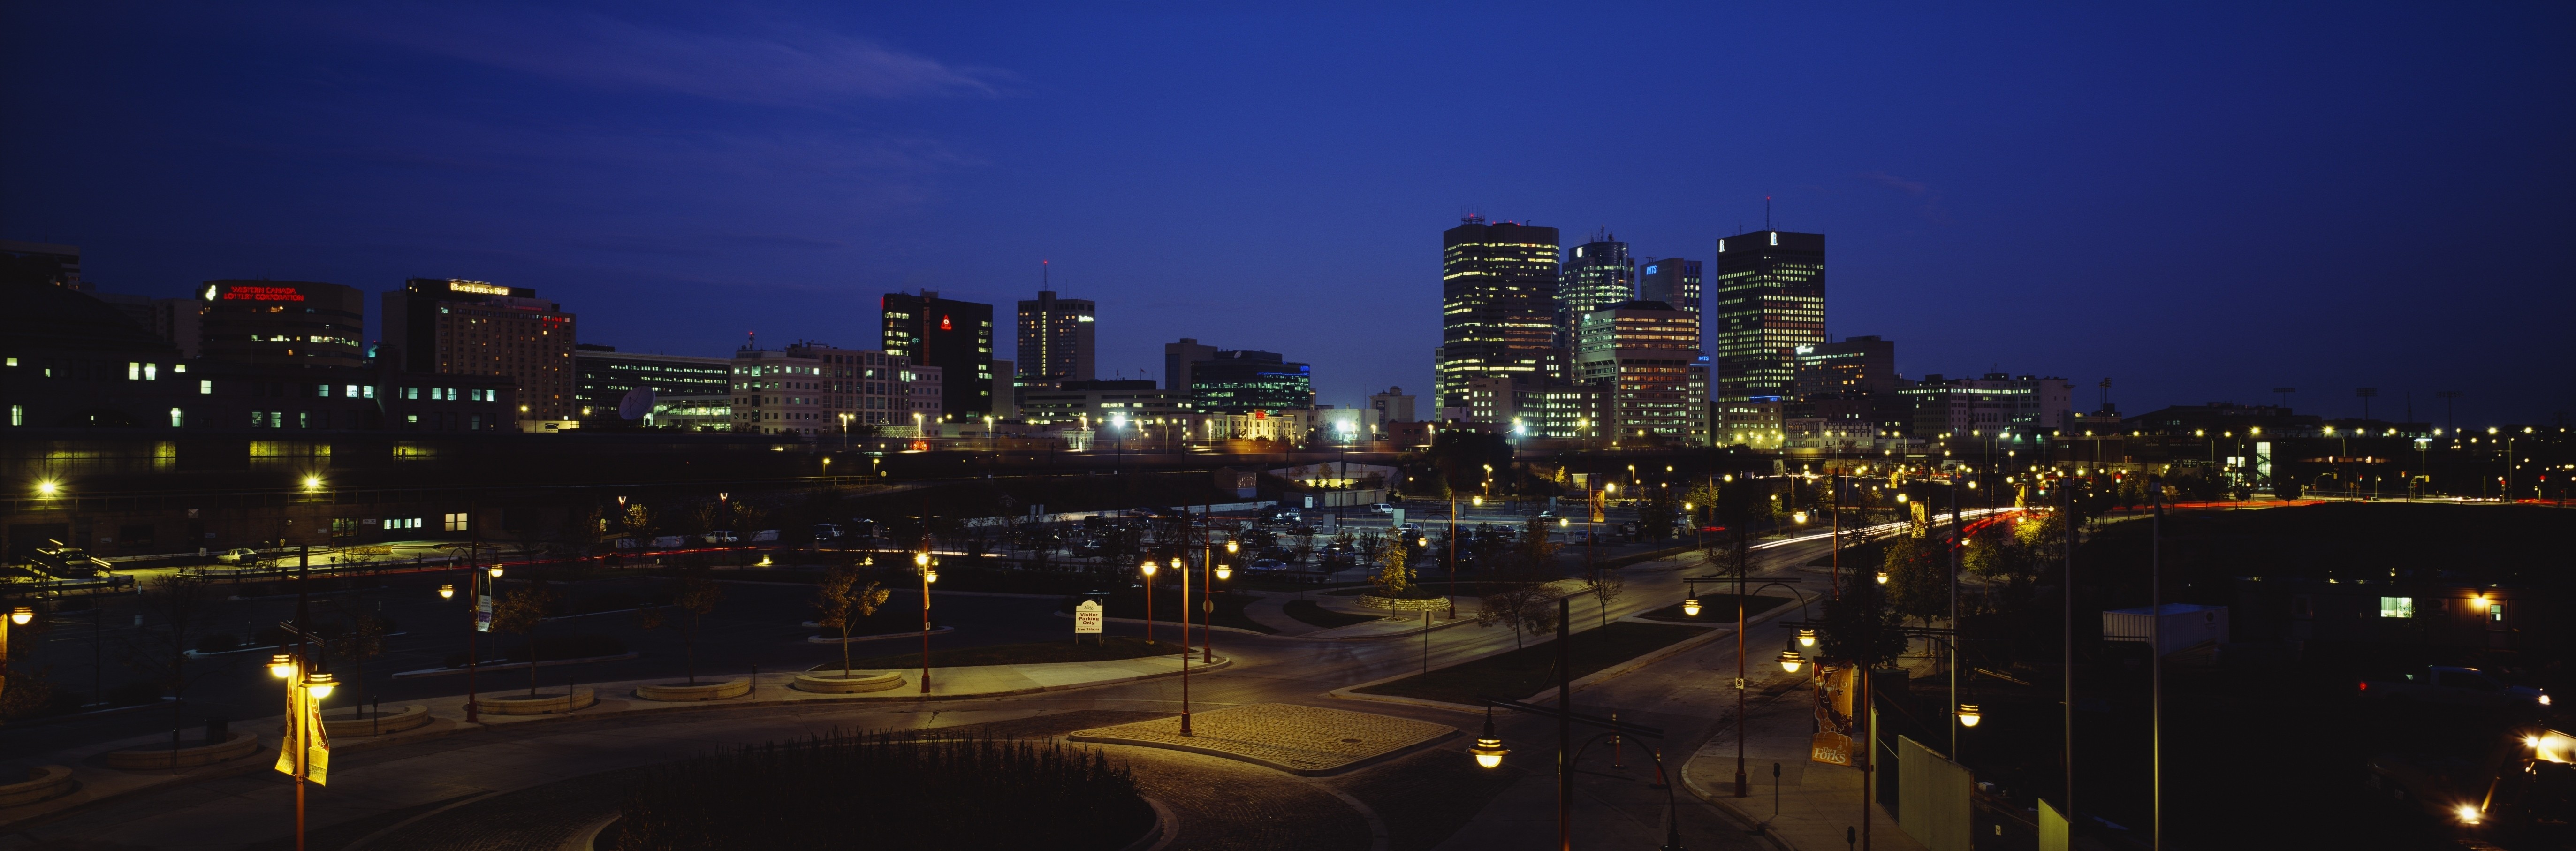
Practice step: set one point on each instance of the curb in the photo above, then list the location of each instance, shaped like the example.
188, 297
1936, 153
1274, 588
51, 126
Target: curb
1725, 807
817, 639
512, 666
1177, 624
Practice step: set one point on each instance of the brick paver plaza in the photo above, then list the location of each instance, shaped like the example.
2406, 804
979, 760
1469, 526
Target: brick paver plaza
1297, 739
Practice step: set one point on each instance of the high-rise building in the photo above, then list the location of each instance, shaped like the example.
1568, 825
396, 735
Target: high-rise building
1671, 280
812, 388
1007, 397
955, 336
1597, 274
1246, 381
446, 325
603, 376
281, 323
1055, 338
1177, 358
1645, 358
1770, 301
1498, 305
1853, 365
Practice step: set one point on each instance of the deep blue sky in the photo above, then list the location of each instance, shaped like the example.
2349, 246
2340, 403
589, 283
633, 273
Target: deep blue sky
2201, 202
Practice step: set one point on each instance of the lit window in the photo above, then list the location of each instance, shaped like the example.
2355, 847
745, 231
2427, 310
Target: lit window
456, 522
176, 419
205, 387
2396, 607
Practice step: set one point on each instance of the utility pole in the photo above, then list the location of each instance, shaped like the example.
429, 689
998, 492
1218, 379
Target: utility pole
2156, 646
1564, 726
2066, 598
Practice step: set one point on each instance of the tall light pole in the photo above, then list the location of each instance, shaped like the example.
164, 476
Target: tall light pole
1184, 571
21, 616
928, 567
2156, 643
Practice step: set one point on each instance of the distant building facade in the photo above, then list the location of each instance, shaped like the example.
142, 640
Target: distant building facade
461, 327
815, 389
1096, 402
603, 376
1644, 357
1055, 340
1596, 275
1177, 358
280, 323
1241, 382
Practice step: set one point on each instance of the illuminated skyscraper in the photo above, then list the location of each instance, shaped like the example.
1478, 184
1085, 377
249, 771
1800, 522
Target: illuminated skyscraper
1644, 359
1671, 280
1498, 305
1597, 274
1770, 301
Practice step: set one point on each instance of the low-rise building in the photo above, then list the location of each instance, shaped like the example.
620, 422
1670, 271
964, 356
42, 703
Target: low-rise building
812, 388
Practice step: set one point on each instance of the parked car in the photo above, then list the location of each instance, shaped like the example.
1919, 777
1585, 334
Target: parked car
720, 536
68, 563
668, 542
2445, 684
1381, 508
825, 532
1266, 564
241, 556
765, 536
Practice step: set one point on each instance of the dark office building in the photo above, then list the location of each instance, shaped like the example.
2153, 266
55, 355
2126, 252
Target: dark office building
603, 376
1177, 358
41, 263
282, 323
1671, 280
956, 336
1498, 305
1854, 366
1770, 301
1244, 382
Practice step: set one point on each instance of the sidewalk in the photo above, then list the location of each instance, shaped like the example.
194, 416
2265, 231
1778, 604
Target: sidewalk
98, 783
1816, 801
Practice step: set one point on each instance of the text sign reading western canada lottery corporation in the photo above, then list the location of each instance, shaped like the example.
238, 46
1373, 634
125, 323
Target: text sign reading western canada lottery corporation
1086, 618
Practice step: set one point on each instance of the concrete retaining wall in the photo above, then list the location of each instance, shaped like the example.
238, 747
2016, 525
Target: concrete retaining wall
682, 691
543, 704
43, 782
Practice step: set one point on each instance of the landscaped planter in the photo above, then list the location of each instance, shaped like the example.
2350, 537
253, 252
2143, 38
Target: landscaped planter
43, 782
367, 724
1404, 604
828, 680
538, 704
683, 691
239, 744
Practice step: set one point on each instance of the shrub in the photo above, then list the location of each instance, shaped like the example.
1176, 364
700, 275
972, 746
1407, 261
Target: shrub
950, 794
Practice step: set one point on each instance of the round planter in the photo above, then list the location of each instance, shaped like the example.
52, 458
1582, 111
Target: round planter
682, 691
43, 782
539, 704
830, 681
239, 743
365, 724
820, 639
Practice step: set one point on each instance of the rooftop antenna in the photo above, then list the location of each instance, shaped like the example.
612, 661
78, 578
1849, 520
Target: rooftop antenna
1045, 277
2284, 393
1766, 212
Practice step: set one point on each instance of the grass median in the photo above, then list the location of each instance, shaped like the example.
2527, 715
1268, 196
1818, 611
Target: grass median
1306, 611
1520, 673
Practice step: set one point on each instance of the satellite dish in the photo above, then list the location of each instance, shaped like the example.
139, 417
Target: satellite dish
637, 403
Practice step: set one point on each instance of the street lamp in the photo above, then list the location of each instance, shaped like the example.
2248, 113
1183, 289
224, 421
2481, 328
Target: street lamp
1148, 569
318, 684
1790, 661
1806, 638
495, 569
1489, 748
447, 592
928, 567
1691, 607
1968, 715
281, 666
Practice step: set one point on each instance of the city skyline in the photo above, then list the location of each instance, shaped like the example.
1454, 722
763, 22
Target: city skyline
2082, 161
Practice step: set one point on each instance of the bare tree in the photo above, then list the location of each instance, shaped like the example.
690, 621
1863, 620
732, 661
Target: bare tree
1606, 586
356, 638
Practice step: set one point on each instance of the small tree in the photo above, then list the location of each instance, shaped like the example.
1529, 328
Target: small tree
698, 596
519, 612
1371, 545
356, 638
1525, 606
1605, 587
843, 602
1394, 576
1918, 577
1657, 513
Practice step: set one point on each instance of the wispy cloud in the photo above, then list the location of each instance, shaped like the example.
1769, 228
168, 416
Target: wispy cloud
1931, 198
800, 66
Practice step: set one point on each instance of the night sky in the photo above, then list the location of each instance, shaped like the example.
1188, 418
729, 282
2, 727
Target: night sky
2202, 203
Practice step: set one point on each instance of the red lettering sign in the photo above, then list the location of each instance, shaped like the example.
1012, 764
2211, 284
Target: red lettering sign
248, 293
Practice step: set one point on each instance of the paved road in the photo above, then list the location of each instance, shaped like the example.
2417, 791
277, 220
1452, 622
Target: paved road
1617, 806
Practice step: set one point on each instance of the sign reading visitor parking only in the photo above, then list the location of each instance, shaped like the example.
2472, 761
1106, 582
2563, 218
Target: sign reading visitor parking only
1086, 617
